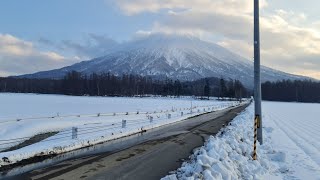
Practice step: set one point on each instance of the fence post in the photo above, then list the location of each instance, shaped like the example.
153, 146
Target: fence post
74, 132
124, 123
169, 116
151, 119
181, 113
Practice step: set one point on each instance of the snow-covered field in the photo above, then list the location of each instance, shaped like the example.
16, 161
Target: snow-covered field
97, 119
294, 130
291, 148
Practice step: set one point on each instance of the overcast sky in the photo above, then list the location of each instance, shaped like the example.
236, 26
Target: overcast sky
40, 35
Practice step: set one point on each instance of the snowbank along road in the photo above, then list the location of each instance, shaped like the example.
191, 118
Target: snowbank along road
290, 150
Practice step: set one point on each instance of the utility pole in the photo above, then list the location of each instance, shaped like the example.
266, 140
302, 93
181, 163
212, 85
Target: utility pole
257, 80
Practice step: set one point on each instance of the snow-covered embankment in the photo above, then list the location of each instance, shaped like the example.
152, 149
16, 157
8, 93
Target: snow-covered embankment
228, 155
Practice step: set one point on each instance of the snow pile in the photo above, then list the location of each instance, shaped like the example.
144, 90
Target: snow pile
228, 155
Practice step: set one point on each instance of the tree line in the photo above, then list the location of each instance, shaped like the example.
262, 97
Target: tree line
75, 83
291, 91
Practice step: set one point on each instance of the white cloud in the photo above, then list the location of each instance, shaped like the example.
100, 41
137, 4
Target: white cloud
132, 7
20, 57
289, 46
289, 41
93, 46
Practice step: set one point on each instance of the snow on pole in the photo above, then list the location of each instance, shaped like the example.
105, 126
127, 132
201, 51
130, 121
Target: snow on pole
74, 132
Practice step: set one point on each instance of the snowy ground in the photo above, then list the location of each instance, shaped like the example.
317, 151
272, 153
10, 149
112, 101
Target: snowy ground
291, 148
294, 130
97, 119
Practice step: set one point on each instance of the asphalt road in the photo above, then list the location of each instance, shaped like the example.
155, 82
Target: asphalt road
152, 155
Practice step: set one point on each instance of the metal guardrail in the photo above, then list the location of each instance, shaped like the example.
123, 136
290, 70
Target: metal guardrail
74, 132
2, 121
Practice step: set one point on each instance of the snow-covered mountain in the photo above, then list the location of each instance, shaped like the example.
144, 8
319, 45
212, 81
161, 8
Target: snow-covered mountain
174, 56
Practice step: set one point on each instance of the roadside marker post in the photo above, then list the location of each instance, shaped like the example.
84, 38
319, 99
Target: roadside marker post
124, 123
74, 132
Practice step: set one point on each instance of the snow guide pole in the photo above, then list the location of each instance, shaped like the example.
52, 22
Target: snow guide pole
254, 156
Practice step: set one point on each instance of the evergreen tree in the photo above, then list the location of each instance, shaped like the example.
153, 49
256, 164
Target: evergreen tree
206, 89
223, 88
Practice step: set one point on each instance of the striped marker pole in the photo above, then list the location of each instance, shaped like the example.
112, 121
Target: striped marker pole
256, 122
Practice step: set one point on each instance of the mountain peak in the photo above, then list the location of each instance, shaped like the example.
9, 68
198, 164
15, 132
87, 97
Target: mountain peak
168, 40
174, 56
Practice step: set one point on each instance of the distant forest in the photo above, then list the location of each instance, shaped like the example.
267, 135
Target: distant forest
75, 83
291, 91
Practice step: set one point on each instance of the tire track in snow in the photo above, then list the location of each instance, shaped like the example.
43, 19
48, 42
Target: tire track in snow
302, 131
293, 137
303, 125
